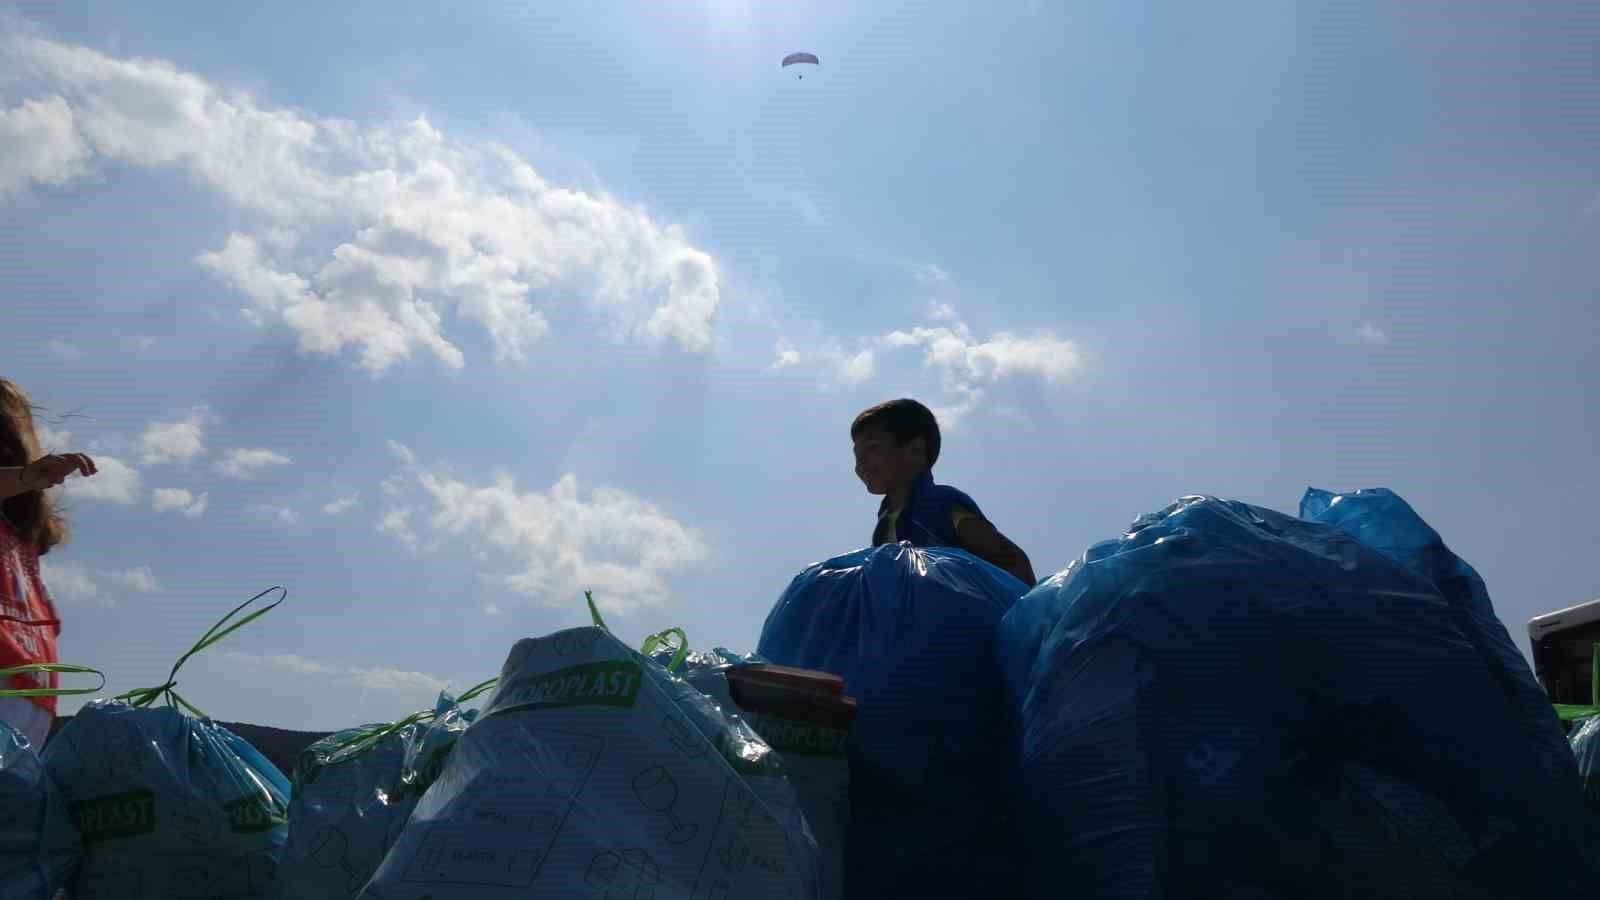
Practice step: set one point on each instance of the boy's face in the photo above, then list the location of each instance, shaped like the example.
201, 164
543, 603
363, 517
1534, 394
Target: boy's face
883, 464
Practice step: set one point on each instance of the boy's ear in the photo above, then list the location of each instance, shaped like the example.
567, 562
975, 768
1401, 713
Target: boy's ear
917, 447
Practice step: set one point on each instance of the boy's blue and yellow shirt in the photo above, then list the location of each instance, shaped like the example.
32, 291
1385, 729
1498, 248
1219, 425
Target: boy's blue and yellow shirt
929, 517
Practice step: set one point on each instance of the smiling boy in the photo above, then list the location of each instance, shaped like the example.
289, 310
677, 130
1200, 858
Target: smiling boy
896, 445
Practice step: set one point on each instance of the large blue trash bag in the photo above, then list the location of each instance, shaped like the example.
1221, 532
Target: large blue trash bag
911, 632
168, 805
593, 773
38, 845
1229, 702
813, 753
353, 791
1380, 519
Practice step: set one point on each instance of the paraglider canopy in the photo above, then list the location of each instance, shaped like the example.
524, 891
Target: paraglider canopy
793, 58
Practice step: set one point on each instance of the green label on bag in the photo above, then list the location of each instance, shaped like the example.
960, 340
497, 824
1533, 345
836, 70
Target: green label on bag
115, 816
254, 813
593, 684
800, 738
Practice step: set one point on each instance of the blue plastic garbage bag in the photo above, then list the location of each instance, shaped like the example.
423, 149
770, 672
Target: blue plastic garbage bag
813, 755
353, 791
592, 772
168, 805
911, 631
1585, 744
38, 845
1233, 702
1380, 519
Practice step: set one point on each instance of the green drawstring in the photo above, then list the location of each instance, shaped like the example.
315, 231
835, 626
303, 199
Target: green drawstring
64, 668
146, 696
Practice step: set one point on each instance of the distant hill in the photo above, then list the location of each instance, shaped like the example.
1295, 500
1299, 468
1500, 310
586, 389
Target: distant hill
278, 745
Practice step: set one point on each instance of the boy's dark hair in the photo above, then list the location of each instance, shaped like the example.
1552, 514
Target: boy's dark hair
905, 419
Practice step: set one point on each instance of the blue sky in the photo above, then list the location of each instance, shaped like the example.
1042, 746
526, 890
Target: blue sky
437, 319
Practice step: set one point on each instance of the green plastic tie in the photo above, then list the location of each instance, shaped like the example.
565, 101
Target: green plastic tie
147, 696
594, 611
367, 738
659, 639
63, 668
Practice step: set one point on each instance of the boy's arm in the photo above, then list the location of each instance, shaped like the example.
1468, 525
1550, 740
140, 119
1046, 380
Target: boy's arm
982, 539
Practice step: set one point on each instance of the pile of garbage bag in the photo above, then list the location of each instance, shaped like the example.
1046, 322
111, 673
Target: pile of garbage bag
1233, 702
38, 844
911, 632
353, 792
805, 717
593, 772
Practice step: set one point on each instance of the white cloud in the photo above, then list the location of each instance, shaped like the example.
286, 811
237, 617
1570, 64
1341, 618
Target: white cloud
396, 524
139, 579
1372, 334
141, 342
560, 541
787, 355
283, 514
854, 368
166, 441
954, 350
114, 481
401, 452
966, 365
71, 583
169, 499
164, 499
339, 505
52, 440
929, 274
376, 679
240, 462
42, 145
63, 349
430, 225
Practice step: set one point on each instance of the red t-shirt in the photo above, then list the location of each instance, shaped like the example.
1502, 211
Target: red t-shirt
28, 623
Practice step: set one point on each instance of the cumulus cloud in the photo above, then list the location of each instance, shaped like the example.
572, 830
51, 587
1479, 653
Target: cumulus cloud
168, 441
375, 679
63, 349
425, 224
395, 522
71, 583
559, 541
179, 500
929, 274
43, 144
139, 579
852, 368
114, 481
787, 355
240, 462
52, 439
1372, 334
282, 514
74, 584
339, 505
953, 349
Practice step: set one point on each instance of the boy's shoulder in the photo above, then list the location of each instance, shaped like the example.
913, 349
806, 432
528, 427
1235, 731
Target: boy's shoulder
950, 495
